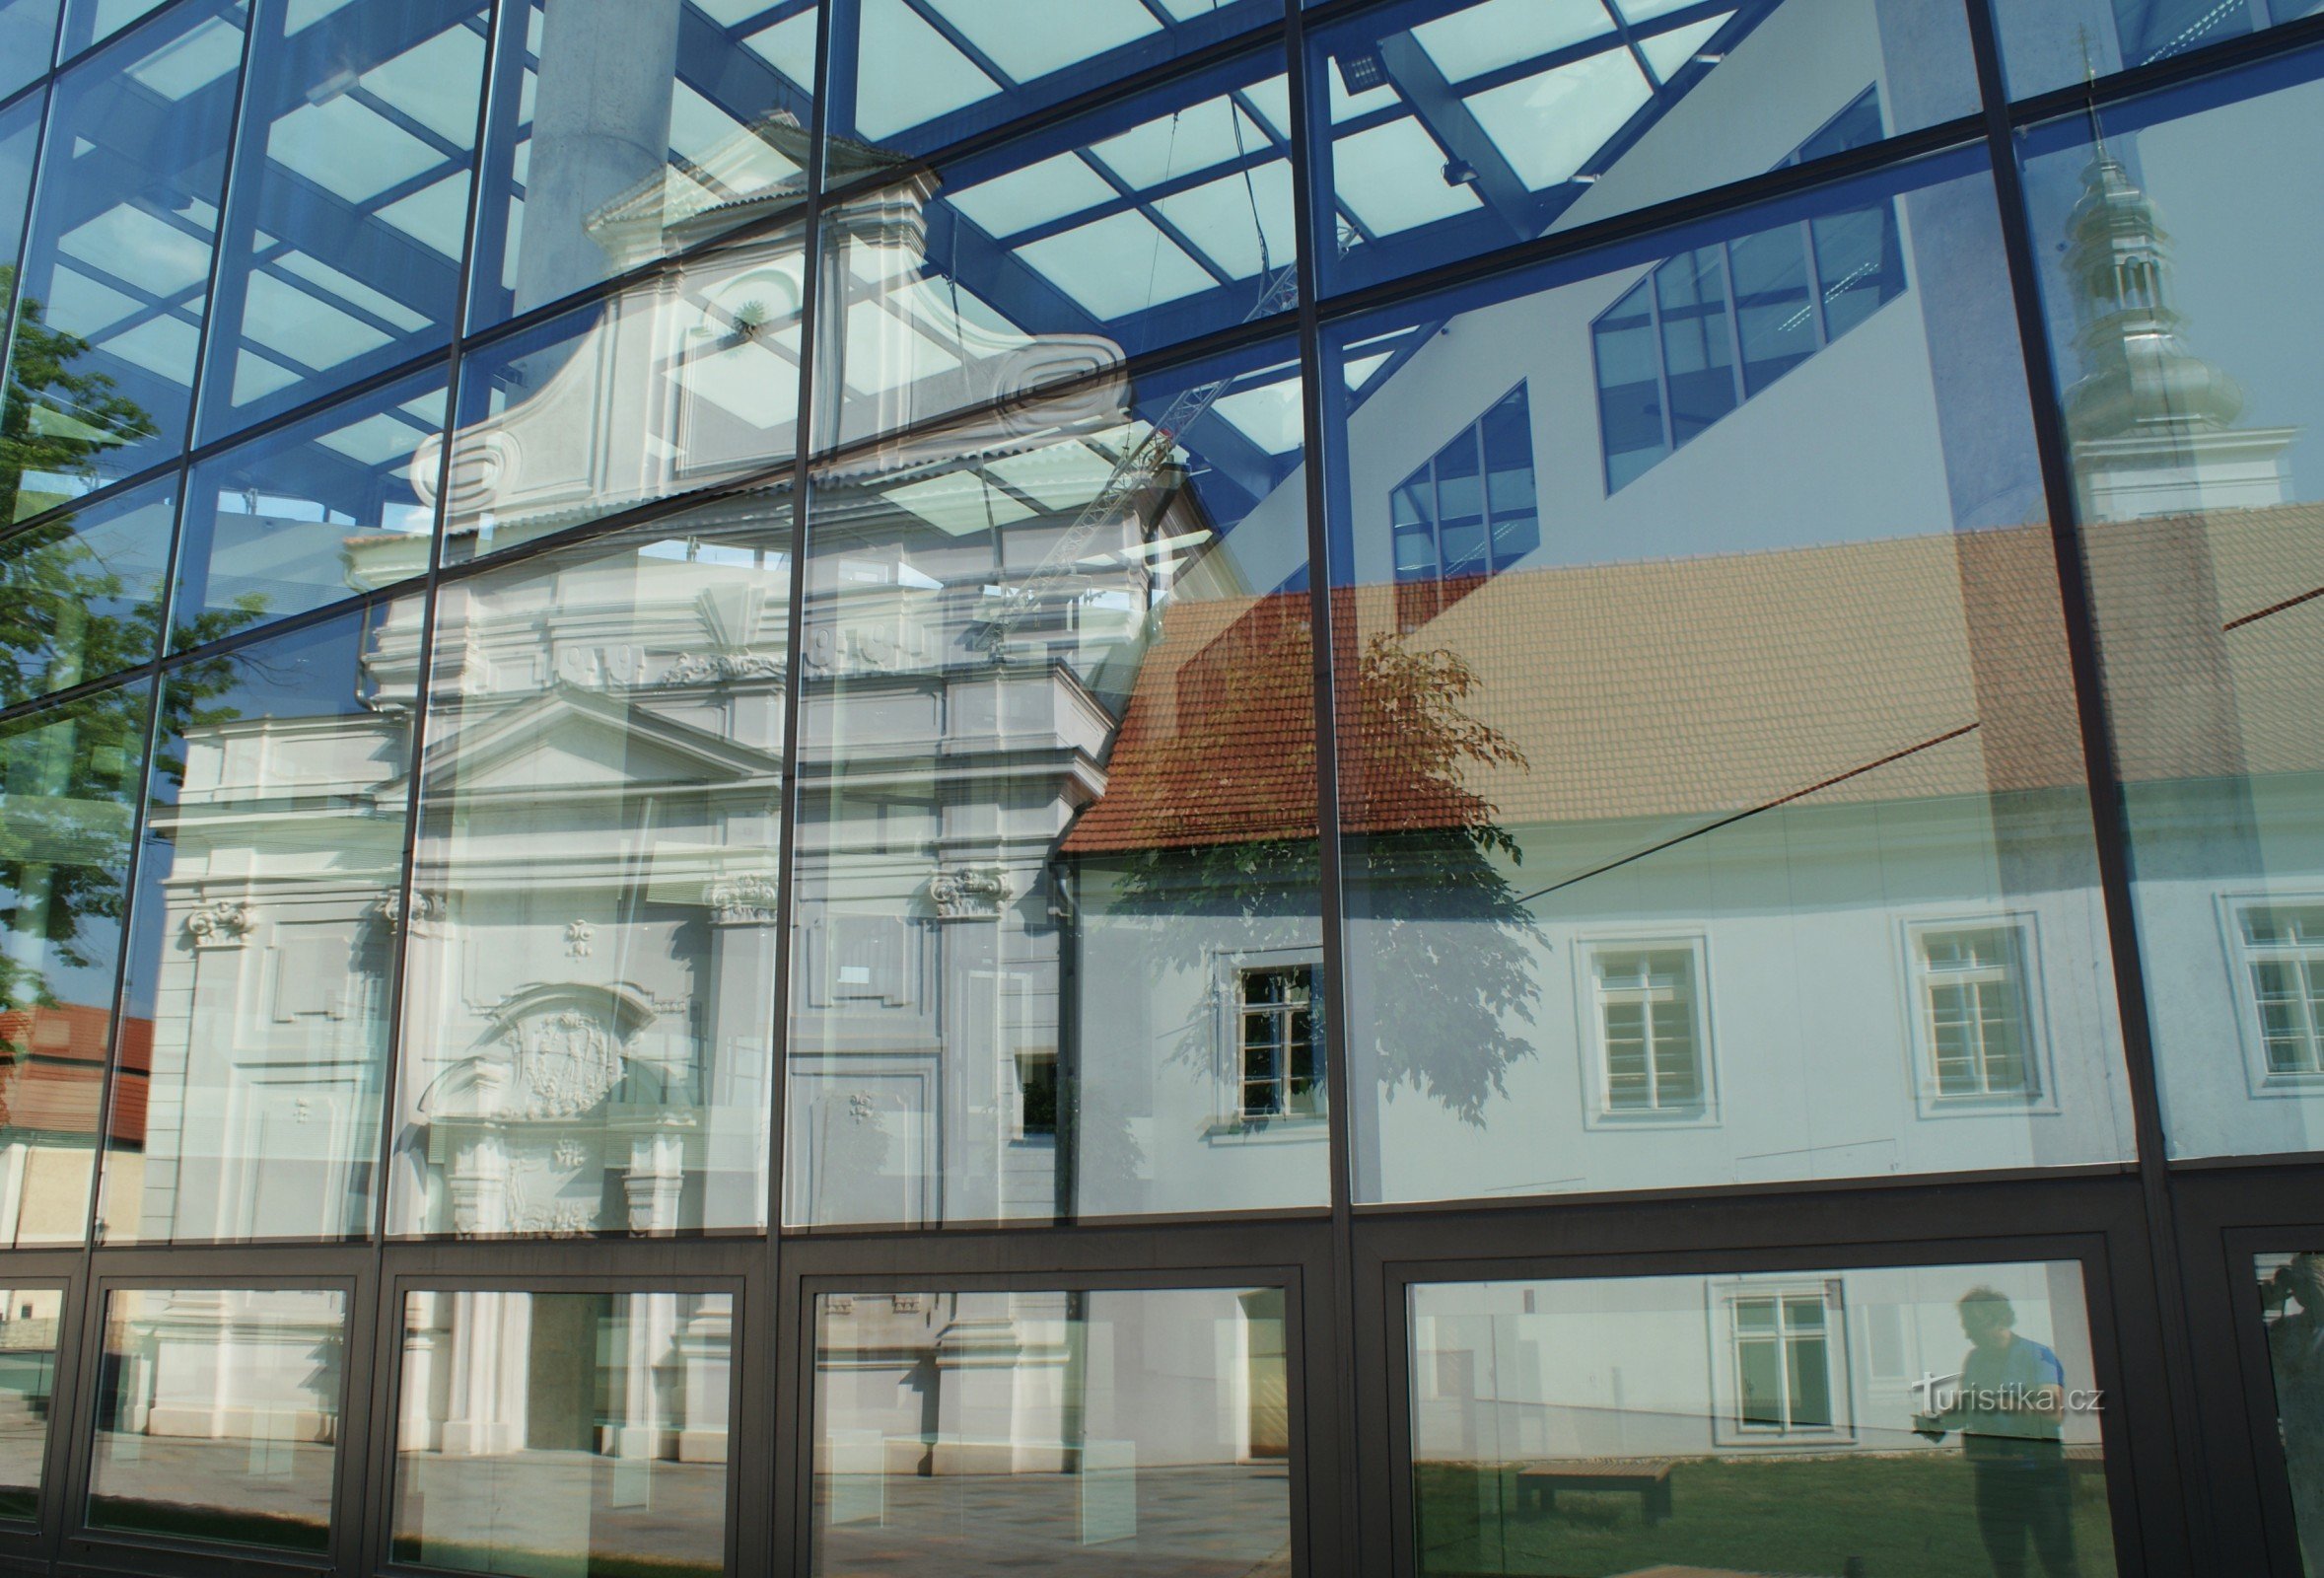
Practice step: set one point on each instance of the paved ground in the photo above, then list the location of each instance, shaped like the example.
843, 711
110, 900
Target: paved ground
1192, 1523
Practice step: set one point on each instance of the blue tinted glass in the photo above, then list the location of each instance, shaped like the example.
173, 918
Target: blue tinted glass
116, 264
1444, 129
83, 592
621, 130
910, 76
27, 30
20, 144
92, 22
2057, 44
2177, 289
308, 514
350, 200
1163, 217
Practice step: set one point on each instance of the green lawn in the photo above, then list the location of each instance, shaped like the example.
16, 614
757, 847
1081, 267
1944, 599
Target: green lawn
1907, 1516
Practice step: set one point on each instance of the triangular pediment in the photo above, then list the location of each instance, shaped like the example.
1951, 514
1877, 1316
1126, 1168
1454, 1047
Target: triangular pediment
573, 742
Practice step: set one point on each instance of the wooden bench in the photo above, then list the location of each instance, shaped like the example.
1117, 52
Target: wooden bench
1648, 1477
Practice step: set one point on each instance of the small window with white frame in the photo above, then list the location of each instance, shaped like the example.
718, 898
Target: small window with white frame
1651, 1023
1785, 1355
2281, 985
1278, 1071
1974, 1008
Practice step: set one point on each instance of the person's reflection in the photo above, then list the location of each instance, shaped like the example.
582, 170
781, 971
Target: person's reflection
2010, 1408
2295, 1347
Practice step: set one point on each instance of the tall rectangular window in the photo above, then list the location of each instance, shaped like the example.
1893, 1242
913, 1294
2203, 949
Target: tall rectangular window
1782, 1346
1650, 1024
1974, 1012
2283, 973
1282, 1066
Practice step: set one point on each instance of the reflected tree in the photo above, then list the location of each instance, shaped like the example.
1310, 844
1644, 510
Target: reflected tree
1229, 836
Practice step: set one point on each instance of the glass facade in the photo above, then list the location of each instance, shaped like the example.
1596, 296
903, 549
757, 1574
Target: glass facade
1410, 788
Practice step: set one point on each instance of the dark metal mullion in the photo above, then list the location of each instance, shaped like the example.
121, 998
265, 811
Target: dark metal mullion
370, 1534
1337, 1414
787, 1412
2104, 783
506, 64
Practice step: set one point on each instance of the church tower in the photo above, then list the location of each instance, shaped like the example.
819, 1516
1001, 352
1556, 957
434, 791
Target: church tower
2152, 422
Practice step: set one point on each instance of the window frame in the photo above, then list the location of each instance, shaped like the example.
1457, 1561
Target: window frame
1725, 1297
1930, 1098
2242, 956
1591, 1001
1236, 1119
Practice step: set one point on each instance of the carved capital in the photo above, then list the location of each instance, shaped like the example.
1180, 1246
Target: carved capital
225, 924
744, 899
969, 893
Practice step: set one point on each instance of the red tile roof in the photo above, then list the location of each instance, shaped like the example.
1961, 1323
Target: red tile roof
52, 1077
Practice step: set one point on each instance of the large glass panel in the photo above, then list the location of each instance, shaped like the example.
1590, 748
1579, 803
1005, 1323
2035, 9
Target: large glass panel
116, 263
623, 130
81, 593
1098, 1433
2062, 43
28, 32
20, 146
589, 980
218, 1414
28, 1319
1058, 949
2191, 402
1911, 1421
1738, 830
683, 382
310, 514
597, 1449
1165, 216
1450, 127
68, 786
260, 957
350, 200
92, 22
910, 76
2292, 1296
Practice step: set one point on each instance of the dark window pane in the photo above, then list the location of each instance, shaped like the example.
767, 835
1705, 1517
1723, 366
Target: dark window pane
68, 783
1702, 1424
218, 1415
2191, 410
28, 1334
1454, 127
116, 263
262, 971
80, 594
2292, 1297
991, 614
310, 514
1629, 386
1698, 350
1859, 264
350, 200
622, 130
599, 1449
1144, 1432
1775, 312
92, 22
